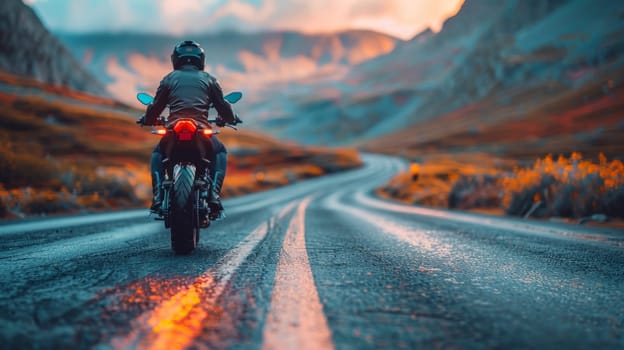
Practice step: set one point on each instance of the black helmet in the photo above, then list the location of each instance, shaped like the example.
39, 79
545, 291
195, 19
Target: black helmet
188, 52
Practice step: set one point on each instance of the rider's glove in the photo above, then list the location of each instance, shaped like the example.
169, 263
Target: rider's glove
141, 120
237, 120
220, 122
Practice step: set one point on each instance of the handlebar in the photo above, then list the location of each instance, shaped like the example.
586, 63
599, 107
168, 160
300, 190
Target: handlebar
219, 120
161, 121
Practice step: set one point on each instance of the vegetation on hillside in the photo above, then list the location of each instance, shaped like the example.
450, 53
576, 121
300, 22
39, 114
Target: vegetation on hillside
566, 187
433, 181
58, 156
570, 187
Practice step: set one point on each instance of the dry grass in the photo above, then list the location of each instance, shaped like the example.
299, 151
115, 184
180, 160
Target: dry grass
438, 177
57, 156
54, 156
521, 125
569, 187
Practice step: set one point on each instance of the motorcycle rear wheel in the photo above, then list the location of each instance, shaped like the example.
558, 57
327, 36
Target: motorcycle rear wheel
184, 232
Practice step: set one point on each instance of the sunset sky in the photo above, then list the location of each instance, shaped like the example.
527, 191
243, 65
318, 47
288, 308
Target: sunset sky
402, 18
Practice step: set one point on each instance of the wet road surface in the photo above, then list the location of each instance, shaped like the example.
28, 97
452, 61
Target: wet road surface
322, 264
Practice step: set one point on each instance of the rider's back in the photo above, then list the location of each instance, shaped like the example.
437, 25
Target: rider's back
189, 90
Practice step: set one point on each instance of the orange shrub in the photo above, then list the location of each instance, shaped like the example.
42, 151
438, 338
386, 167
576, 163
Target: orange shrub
567, 187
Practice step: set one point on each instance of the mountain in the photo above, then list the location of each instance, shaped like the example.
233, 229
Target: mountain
27, 49
507, 55
128, 62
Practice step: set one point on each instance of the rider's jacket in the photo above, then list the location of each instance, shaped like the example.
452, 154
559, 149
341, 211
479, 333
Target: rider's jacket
188, 91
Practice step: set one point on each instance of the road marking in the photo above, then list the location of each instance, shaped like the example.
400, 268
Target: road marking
296, 319
492, 222
177, 321
421, 239
55, 223
245, 203
252, 203
69, 248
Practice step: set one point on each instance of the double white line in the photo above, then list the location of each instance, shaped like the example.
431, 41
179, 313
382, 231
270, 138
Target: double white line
295, 318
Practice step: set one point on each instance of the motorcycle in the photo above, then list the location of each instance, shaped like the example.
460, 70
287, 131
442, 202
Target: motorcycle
187, 183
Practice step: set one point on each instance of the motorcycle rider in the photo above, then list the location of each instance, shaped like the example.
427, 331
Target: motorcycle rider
189, 91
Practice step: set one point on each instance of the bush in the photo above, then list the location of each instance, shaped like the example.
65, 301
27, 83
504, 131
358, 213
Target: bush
21, 169
85, 181
475, 191
49, 202
111, 188
569, 187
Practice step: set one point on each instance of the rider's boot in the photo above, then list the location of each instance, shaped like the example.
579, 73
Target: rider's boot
157, 175
216, 208
155, 208
217, 172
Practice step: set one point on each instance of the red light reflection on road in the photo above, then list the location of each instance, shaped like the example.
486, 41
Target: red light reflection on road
143, 294
179, 320
180, 312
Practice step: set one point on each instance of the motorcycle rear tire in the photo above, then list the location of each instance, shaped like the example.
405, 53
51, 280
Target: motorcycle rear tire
184, 232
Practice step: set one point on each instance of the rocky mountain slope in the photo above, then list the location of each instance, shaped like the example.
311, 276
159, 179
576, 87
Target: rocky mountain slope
490, 51
27, 49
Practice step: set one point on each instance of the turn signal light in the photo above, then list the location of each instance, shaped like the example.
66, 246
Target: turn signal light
160, 132
208, 132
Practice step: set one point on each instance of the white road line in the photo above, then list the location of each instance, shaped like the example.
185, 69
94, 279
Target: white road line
70, 248
422, 239
54, 223
236, 205
302, 189
296, 319
176, 322
505, 224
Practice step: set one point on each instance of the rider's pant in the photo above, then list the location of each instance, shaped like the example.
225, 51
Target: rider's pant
217, 157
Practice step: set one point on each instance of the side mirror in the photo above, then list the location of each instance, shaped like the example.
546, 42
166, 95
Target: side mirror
145, 98
233, 97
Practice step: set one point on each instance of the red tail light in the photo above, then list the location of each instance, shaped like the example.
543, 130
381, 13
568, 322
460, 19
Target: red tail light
185, 129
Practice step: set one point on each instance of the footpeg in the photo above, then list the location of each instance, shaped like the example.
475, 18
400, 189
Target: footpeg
215, 216
157, 215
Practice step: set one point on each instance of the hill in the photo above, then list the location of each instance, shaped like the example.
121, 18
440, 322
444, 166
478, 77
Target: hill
62, 150
27, 49
494, 63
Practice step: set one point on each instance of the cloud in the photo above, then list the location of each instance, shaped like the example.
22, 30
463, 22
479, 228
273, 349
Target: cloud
247, 12
260, 72
180, 16
403, 18
125, 83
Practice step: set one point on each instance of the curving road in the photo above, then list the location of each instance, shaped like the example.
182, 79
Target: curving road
319, 265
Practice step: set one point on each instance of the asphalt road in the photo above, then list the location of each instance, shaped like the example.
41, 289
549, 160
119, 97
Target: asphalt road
318, 265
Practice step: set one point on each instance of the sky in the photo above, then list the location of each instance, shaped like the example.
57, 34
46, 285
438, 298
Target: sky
401, 18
